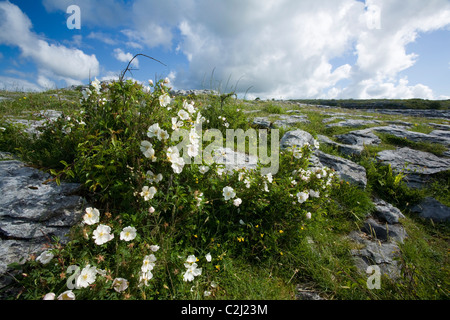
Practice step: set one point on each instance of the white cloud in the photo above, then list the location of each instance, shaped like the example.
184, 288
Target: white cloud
58, 61
120, 55
285, 48
14, 84
45, 83
273, 48
103, 37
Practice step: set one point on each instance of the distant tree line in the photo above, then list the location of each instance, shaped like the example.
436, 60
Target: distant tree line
380, 103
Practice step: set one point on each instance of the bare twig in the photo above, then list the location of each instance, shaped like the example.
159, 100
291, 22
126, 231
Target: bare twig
122, 74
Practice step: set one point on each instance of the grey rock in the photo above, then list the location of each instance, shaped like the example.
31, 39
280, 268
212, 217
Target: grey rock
307, 292
387, 212
296, 138
359, 137
347, 170
262, 122
440, 126
353, 123
193, 92
348, 150
429, 113
382, 254
431, 208
327, 120
384, 231
437, 136
32, 213
290, 120
418, 165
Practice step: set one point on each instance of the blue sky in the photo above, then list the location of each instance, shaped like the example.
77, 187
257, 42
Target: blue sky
269, 49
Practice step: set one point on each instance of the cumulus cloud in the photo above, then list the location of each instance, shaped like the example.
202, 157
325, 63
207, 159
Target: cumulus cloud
272, 48
120, 55
57, 61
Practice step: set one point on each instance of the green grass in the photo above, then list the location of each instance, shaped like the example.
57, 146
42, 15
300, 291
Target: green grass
434, 148
321, 257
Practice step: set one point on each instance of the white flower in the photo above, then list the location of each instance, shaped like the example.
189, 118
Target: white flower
49, 296
153, 130
172, 153
206, 293
193, 150
102, 234
151, 177
150, 82
203, 169
316, 144
191, 272
92, 216
193, 136
67, 295
45, 257
228, 193
220, 170
247, 182
308, 215
102, 101
314, 194
200, 118
154, 248
151, 210
164, 100
237, 202
120, 284
128, 234
145, 277
269, 177
191, 259
86, 93
162, 135
96, 85
86, 277
189, 107
297, 152
178, 165
208, 257
146, 89
183, 115
302, 197
166, 81
176, 124
148, 193
147, 150
149, 263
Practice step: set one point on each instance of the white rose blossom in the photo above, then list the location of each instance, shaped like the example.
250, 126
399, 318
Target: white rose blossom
92, 216
120, 284
128, 234
45, 257
228, 193
102, 234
